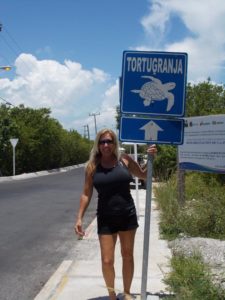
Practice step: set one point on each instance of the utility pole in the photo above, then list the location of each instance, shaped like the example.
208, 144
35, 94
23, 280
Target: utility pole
94, 115
86, 131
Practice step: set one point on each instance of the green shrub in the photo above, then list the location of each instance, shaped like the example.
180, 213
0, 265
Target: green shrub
166, 196
190, 279
203, 212
165, 162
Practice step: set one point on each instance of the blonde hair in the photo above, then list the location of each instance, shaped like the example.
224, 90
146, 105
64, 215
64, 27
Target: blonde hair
95, 154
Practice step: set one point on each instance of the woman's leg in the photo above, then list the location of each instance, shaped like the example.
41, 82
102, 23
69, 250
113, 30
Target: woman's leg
107, 245
127, 251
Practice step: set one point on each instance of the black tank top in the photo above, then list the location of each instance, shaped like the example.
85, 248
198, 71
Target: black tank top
113, 187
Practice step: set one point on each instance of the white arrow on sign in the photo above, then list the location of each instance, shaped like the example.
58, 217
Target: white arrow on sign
151, 131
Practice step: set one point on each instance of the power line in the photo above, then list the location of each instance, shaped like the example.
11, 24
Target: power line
7, 102
14, 47
12, 38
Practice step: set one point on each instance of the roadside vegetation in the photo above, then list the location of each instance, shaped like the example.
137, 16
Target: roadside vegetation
43, 143
190, 279
202, 213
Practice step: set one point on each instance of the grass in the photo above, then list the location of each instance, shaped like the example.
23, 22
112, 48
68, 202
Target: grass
190, 279
201, 215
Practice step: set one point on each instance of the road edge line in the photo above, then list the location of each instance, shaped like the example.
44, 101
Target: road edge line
56, 282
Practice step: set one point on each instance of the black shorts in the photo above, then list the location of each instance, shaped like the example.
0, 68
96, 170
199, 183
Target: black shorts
113, 223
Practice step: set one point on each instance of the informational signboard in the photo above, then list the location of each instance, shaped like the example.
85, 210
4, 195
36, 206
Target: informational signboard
151, 130
153, 83
204, 144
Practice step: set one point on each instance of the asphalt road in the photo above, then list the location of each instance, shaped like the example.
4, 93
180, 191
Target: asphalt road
36, 230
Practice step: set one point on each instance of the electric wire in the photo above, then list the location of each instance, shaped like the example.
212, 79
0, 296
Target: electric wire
7, 102
12, 46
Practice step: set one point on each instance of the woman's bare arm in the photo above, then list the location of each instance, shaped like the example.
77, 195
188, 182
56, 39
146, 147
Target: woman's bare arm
85, 199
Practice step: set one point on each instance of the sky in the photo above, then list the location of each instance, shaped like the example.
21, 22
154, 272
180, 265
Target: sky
66, 55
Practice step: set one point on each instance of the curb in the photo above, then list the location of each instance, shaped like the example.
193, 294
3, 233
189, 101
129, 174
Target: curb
39, 173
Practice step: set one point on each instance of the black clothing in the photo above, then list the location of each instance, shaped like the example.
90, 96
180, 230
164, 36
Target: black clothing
113, 187
113, 224
116, 210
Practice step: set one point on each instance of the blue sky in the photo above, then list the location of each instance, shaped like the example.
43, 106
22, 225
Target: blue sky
67, 54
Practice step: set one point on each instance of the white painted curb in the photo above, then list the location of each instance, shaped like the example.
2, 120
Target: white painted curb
39, 173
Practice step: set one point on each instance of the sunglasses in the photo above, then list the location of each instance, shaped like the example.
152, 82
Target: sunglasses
107, 141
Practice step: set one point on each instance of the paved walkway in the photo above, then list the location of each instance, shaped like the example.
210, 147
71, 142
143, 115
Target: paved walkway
81, 278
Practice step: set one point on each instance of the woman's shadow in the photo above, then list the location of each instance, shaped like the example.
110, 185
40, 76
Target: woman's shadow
119, 297
99, 298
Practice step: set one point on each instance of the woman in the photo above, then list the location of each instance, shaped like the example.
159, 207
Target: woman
111, 173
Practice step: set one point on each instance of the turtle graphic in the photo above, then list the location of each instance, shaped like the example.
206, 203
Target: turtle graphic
155, 90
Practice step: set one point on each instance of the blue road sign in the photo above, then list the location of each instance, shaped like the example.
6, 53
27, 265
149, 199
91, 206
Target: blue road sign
151, 130
153, 83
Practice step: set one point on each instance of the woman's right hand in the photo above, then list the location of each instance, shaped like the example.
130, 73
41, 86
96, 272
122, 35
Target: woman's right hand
78, 228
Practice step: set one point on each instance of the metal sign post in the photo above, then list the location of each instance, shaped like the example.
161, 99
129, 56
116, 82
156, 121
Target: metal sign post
147, 227
14, 142
136, 183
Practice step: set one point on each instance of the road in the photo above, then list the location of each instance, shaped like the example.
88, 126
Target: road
36, 230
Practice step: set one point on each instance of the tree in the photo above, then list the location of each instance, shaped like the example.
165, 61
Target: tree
43, 143
205, 98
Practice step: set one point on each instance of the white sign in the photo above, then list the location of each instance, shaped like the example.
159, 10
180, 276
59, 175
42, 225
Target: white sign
204, 144
14, 142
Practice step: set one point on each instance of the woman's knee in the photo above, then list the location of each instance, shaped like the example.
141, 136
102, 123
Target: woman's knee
127, 254
107, 261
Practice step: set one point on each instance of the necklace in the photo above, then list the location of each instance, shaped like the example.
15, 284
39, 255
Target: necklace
109, 164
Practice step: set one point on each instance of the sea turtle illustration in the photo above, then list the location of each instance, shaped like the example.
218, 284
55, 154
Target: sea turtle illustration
155, 90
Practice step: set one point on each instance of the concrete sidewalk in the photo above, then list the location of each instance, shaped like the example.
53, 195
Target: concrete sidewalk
81, 278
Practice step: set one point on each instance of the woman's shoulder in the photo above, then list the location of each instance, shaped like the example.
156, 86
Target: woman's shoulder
90, 169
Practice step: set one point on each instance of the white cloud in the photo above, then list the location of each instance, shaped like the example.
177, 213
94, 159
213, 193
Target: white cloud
204, 43
105, 114
154, 22
67, 89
